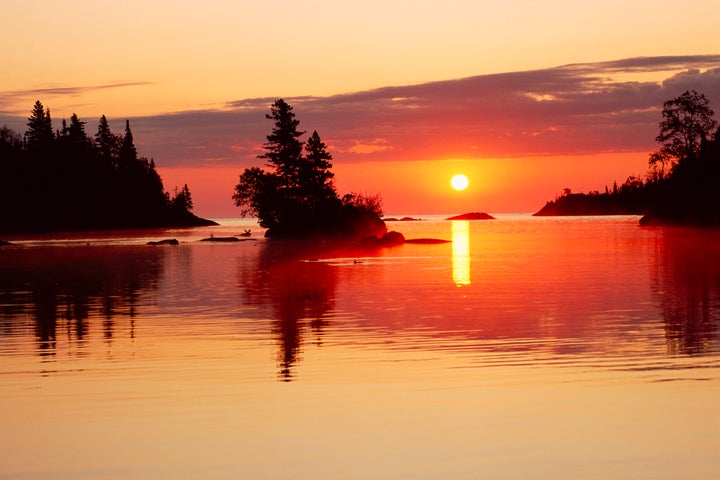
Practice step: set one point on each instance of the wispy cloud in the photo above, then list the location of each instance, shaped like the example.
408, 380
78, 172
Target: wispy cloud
10, 98
362, 147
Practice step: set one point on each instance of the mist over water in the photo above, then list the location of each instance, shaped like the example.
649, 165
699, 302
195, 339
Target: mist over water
522, 348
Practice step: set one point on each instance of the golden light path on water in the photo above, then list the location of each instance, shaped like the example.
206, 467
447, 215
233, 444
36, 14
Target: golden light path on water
461, 252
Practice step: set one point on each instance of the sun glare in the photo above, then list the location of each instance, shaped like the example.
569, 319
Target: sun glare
459, 182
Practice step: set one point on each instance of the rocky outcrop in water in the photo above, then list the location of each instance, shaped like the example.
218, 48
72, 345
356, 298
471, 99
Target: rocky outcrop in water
472, 216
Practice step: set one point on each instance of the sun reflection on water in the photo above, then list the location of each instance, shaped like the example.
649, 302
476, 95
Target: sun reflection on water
461, 252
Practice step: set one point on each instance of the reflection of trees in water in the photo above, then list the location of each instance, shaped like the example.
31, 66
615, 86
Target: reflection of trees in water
298, 292
687, 280
73, 285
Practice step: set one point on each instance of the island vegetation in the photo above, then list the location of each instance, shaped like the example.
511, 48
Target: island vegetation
296, 197
682, 185
64, 180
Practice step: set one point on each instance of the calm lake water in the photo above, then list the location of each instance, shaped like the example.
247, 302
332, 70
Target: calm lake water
524, 348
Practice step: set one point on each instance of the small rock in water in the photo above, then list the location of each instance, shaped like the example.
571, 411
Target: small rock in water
221, 239
168, 241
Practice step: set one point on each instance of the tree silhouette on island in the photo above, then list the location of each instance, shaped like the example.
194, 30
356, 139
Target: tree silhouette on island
296, 198
64, 180
683, 183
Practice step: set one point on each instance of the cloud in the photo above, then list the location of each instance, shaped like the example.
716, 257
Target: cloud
365, 148
14, 97
576, 109
707, 82
568, 110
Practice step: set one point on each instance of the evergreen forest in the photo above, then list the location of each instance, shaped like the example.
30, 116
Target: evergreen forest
682, 185
65, 180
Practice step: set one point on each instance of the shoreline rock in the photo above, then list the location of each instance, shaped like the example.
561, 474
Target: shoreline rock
167, 241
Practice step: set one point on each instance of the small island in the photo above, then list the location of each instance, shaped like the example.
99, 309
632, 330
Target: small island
681, 187
472, 216
63, 180
403, 219
296, 197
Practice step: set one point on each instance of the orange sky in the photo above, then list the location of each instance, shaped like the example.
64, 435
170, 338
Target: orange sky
526, 98
423, 187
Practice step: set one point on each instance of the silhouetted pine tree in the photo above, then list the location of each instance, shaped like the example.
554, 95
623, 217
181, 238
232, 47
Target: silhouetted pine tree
182, 199
39, 135
107, 143
283, 150
127, 155
315, 174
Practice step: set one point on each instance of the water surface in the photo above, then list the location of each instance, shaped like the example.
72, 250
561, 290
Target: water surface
523, 348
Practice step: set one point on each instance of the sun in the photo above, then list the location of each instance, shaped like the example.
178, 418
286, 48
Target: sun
459, 182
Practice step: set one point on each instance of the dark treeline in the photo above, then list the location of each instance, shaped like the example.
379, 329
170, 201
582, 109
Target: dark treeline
62, 180
683, 182
634, 197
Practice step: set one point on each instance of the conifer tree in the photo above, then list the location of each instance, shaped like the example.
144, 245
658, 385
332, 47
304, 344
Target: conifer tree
106, 142
76, 131
127, 155
283, 150
40, 132
315, 174
183, 199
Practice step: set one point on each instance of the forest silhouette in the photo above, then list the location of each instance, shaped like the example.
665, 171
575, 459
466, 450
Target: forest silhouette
682, 185
65, 180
